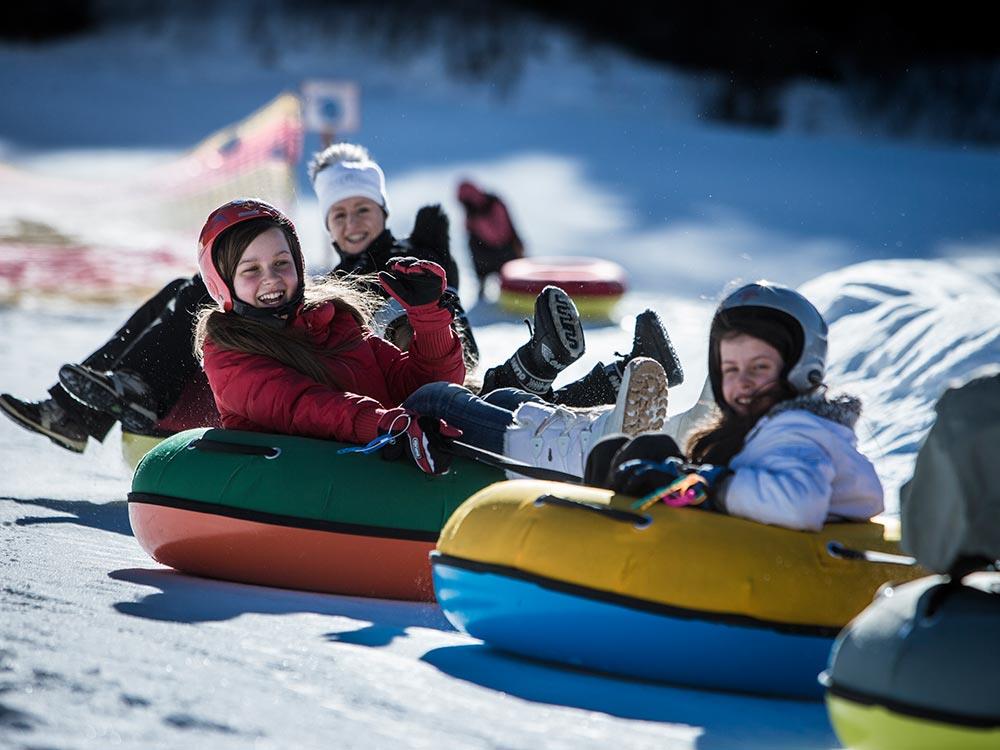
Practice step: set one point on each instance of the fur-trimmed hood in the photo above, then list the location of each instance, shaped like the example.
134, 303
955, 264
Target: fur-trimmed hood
843, 409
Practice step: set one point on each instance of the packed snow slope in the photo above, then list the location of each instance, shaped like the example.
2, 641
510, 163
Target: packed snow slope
596, 154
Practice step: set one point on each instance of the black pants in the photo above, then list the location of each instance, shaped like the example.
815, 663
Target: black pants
612, 451
155, 342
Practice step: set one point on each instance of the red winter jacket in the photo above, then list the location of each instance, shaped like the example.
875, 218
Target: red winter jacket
258, 393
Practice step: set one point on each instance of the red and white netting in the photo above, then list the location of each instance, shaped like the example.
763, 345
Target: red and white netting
100, 239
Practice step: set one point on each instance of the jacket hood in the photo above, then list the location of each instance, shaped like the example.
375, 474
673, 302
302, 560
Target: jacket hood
844, 409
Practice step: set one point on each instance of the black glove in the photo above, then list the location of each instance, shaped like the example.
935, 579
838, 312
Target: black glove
430, 230
671, 481
429, 241
640, 477
422, 438
413, 282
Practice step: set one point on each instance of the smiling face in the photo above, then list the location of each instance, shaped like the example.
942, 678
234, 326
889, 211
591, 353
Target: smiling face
265, 274
354, 223
750, 369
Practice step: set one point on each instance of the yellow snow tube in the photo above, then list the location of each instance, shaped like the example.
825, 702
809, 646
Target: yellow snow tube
135, 446
678, 557
873, 727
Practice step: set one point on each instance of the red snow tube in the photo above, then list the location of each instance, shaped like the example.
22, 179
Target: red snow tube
595, 284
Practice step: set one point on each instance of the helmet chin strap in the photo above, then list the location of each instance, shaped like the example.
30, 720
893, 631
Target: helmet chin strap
273, 317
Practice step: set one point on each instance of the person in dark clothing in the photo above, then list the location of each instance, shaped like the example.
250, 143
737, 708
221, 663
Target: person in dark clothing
493, 240
155, 341
350, 187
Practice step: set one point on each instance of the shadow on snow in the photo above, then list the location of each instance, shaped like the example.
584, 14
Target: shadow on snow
187, 599
757, 721
111, 516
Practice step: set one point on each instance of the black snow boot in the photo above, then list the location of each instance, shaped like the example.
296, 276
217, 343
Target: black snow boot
651, 340
556, 343
600, 385
121, 393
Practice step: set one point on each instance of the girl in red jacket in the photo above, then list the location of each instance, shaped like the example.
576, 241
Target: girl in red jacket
285, 356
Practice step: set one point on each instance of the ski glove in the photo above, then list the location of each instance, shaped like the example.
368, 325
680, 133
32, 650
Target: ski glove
672, 481
639, 477
413, 282
430, 231
423, 438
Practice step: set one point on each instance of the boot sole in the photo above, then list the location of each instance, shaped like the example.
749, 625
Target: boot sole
642, 397
566, 324
665, 353
96, 394
61, 440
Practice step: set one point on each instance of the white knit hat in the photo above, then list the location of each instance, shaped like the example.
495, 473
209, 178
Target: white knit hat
350, 179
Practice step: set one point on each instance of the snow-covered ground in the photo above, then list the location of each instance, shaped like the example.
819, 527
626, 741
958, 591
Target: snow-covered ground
899, 246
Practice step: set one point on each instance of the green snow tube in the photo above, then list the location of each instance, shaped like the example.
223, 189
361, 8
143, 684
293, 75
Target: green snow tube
292, 512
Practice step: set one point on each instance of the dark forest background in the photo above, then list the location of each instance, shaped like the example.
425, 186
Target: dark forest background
938, 64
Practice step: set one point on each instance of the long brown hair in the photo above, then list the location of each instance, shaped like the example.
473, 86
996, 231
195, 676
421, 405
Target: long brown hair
284, 344
724, 437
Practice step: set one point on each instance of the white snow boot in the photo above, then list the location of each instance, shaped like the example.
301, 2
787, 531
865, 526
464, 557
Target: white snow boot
554, 437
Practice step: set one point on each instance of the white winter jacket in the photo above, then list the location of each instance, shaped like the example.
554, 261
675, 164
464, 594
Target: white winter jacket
800, 466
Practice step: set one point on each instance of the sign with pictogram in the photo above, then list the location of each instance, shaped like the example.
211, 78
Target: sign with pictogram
331, 107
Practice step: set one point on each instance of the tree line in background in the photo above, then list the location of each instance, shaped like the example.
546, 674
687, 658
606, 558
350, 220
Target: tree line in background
927, 69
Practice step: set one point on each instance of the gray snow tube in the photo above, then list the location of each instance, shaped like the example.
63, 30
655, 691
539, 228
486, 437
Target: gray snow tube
920, 665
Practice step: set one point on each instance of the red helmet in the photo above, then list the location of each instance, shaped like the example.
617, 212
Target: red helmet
232, 213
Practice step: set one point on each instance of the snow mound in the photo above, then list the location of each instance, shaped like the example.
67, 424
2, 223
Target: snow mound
901, 333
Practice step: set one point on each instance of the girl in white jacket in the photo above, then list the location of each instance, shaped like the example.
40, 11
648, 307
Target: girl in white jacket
780, 450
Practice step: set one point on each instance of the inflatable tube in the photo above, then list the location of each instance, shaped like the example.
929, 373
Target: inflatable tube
569, 574
290, 512
595, 285
918, 668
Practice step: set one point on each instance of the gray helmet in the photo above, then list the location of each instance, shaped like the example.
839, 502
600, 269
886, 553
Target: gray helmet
806, 372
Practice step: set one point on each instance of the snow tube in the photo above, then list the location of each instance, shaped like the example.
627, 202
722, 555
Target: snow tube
917, 669
595, 285
290, 512
570, 574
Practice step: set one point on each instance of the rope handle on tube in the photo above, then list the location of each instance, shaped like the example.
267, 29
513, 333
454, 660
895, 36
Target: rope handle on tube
839, 551
639, 520
220, 446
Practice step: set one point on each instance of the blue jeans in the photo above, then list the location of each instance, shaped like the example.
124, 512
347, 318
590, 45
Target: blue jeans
482, 421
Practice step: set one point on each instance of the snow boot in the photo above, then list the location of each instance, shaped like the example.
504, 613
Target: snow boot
555, 437
556, 342
46, 418
651, 340
641, 405
601, 384
121, 393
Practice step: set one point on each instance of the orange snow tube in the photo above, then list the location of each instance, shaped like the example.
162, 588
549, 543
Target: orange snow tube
292, 512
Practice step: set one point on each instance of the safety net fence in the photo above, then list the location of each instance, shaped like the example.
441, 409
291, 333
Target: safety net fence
111, 240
